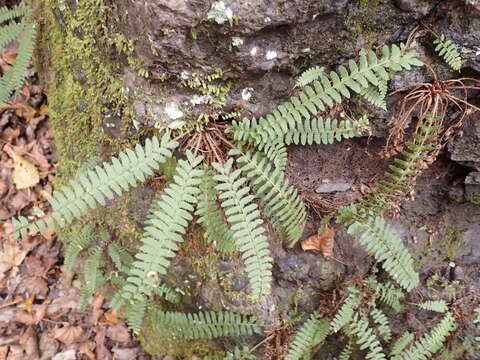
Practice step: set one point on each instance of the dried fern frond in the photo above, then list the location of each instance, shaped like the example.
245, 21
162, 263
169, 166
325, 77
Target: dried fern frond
448, 50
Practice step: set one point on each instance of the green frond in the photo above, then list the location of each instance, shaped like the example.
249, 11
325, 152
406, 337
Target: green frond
345, 314
276, 152
449, 52
165, 229
87, 165
76, 245
20, 10
281, 200
374, 97
434, 305
383, 327
365, 338
15, 76
324, 93
309, 76
10, 32
96, 186
346, 352
245, 221
169, 294
204, 325
240, 354
311, 333
387, 293
211, 217
401, 343
120, 257
135, 313
92, 275
429, 344
385, 245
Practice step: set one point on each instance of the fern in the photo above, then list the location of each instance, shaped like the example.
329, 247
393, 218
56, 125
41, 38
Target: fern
380, 241
93, 276
20, 10
449, 52
79, 243
135, 313
165, 230
204, 325
346, 352
240, 354
434, 305
381, 320
277, 153
430, 343
387, 293
309, 76
15, 76
281, 200
246, 224
120, 257
169, 294
374, 96
93, 188
211, 217
401, 343
311, 333
345, 314
365, 338
324, 93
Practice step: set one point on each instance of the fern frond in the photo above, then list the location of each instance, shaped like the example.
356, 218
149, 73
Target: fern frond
172, 214
401, 343
383, 328
365, 338
9, 33
120, 257
211, 217
345, 314
87, 165
15, 76
135, 313
430, 343
386, 246
281, 200
309, 76
204, 325
346, 352
324, 93
374, 97
93, 188
388, 294
434, 305
277, 153
169, 294
20, 10
448, 51
400, 179
311, 333
244, 218
79, 243
92, 275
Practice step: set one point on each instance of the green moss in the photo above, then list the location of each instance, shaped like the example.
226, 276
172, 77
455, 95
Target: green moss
453, 239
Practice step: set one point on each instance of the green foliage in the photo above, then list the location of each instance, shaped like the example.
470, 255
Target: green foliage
430, 343
434, 305
346, 352
387, 293
345, 314
244, 218
281, 200
92, 275
448, 50
25, 33
96, 186
80, 242
383, 327
311, 333
120, 257
365, 337
309, 76
172, 213
384, 244
135, 313
204, 325
277, 153
401, 343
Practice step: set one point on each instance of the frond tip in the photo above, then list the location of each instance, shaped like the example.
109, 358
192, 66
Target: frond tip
448, 50
310, 334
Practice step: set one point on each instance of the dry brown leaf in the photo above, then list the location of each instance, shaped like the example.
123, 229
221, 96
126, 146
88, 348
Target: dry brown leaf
30, 343
31, 318
101, 350
67, 334
86, 348
9, 57
111, 317
43, 109
118, 332
322, 242
3, 352
25, 174
11, 256
96, 308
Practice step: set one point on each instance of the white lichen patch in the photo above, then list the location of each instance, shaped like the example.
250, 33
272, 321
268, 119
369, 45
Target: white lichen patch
173, 111
200, 100
247, 94
220, 13
254, 51
271, 54
237, 41
185, 75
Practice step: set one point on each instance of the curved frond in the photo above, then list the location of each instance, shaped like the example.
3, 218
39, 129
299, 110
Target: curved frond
383, 327
346, 352
387, 293
276, 152
120, 257
365, 338
401, 343
96, 186
434, 305
309, 76
244, 218
135, 313
311, 333
448, 50
92, 275
344, 315
79, 243
15, 12
281, 200
204, 325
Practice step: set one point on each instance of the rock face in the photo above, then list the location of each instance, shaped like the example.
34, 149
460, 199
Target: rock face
252, 50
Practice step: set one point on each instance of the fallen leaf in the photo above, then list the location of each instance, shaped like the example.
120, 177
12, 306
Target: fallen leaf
3, 352
101, 350
43, 109
322, 242
25, 174
67, 334
9, 57
66, 355
31, 318
30, 343
118, 332
127, 353
86, 348
48, 346
96, 308
111, 317
11, 256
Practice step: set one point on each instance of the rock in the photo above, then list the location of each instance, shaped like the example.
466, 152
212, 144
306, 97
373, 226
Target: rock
465, 149
330, 186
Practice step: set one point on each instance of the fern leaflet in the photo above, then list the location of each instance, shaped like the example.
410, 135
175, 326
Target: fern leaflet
346, 352
93, 276
448, 50
383, 327
79, 243
120, 257
434, 305
244, 217
365, 338
135, 313
309, 76
15, 12
387, 293
277, 153
401, 343
345, 314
